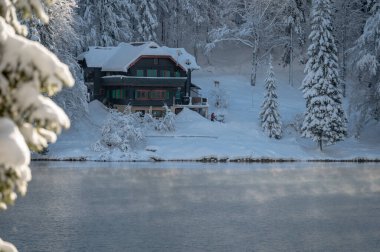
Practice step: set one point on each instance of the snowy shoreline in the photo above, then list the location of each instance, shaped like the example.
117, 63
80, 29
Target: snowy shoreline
214, 160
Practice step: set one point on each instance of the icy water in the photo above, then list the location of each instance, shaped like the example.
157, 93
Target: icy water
197, 207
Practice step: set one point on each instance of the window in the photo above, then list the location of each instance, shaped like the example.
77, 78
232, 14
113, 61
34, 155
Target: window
140, 73
152, 95
152, 72
177, 74
155, 61
165, 73
141, 94
118, 94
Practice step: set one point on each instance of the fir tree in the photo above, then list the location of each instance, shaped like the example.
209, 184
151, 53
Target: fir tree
270, 118
366, 63
294, 19
105, 22
145, 15
325, 120
29, 119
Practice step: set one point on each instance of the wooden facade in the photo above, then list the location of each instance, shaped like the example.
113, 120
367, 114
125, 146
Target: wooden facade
149, 83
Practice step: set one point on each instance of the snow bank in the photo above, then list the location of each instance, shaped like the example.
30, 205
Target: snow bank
188, 115
98, 111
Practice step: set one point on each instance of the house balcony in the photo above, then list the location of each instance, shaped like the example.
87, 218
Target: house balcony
198, 104
121, 80
191, 102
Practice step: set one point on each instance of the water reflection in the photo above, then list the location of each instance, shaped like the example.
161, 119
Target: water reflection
197, 207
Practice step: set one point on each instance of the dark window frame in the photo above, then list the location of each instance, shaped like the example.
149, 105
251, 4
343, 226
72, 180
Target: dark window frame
165, 73
141, 71
149, 71
155, 94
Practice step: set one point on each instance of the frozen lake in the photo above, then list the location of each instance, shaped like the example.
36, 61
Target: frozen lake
197, 207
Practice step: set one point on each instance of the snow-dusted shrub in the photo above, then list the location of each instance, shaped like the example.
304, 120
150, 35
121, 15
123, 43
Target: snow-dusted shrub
149, 122
295, 124
163, 124
166, 123
120, 131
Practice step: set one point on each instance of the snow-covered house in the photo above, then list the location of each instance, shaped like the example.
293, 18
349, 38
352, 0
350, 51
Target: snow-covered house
143, 75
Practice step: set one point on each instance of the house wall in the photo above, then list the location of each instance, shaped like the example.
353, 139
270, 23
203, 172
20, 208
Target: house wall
92, 77
129, 95
104, 89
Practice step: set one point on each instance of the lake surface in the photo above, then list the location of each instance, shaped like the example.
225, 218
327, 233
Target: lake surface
197, 207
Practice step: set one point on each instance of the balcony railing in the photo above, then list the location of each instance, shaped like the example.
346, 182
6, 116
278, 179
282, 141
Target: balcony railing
191, 102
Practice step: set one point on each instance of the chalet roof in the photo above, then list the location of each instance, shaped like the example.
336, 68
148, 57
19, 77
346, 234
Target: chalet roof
96, 56
121, 57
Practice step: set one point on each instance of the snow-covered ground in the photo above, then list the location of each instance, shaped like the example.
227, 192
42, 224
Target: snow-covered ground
239, 137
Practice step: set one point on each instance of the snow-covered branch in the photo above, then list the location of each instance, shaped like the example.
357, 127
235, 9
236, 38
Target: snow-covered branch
27, 118
9, 9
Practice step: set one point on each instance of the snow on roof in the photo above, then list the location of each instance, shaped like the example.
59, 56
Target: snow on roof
96, 56
121, 57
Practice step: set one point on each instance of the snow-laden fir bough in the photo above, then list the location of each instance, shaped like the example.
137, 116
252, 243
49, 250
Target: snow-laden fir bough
28, 119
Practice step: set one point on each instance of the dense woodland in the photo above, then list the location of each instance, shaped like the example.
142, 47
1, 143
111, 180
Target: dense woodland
265, 26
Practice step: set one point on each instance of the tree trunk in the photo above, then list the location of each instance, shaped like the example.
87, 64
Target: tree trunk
163, 31
320, 143
291, 57
208, 41
195, 48
177, 24
344, 46
254, 61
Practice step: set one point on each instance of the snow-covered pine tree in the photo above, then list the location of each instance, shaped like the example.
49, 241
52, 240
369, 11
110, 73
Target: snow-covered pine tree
294, 19
325, 120
61, 35
145, 20
162, 16
270, 117
27, 69
366, 62
105, 22
350, 17
27, 117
